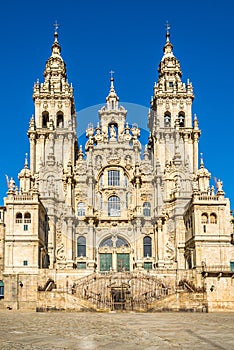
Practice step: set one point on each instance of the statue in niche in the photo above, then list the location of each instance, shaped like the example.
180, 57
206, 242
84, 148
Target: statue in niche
99, 162
50, 183
177, 183
98, 136
112, 132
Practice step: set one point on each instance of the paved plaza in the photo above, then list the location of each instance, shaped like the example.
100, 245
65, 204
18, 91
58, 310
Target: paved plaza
115, 331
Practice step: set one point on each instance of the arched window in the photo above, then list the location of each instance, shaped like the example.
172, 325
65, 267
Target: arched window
1, 289
119, 242
27, 218
204, 218
181, 119
113, 178
45, 119
60, 121
81, 246
107, 242
146, 209
147, 245
167, 119
81, 209
213, 218
19, 218
113, 206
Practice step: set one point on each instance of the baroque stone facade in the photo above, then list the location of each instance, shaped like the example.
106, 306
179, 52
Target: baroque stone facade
113, 207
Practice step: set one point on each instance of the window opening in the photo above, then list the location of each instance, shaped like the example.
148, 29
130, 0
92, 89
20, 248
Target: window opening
204, 218
213, 218
181, 119
147, 243
45, 119
19, 218
81, 246
167, 120
1, 289
146, 209
27, 218
60, 122
114, 206
81, 209
113, 178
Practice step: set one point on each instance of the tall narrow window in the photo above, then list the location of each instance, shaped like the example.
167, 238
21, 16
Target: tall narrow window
81, 209
81, 246
114, 206
167, 119
113, 178
146, 209
60, 120
1, 289
45, 119
147, 245
181, 119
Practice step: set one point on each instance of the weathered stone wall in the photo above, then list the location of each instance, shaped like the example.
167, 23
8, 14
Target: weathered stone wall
220, 294
20, 291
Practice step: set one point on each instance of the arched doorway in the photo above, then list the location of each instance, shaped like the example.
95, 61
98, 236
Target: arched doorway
114, 254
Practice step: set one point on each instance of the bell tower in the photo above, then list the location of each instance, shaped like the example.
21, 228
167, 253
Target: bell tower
170, 117
52, 130
53, 154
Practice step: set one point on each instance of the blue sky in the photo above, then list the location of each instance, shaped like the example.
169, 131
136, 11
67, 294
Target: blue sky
127, 37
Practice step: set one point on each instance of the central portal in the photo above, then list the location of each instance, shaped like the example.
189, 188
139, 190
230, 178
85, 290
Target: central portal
114, 254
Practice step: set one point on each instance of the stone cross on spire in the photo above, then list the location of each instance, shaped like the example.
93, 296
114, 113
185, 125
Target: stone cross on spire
112, 78
56, 26
168, 27
112, 75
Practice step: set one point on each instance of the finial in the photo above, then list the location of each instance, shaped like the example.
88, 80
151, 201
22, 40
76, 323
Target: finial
26, 161
168, 27
112, 78
201, 160
56, 26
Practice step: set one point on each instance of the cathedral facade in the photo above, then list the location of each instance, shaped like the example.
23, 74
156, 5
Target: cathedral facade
111, 206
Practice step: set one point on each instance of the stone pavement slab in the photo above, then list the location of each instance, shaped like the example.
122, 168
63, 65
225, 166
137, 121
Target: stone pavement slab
115, 331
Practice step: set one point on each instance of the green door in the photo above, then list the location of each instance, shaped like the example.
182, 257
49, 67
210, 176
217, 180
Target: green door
105, 261
232, 265
123, 262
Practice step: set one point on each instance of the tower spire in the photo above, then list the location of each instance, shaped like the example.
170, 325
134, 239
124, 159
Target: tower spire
112, 98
